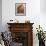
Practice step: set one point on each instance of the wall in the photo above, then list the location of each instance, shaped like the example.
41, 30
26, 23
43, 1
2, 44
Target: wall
33, 13
0, 15
43, 14
43, 6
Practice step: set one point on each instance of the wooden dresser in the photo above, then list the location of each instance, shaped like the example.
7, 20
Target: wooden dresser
22, 33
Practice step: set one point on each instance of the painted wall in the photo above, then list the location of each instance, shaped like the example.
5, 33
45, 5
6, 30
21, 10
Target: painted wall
43, 14
33, 13
0, 15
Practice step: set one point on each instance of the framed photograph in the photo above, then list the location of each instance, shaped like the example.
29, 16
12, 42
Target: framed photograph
20, 9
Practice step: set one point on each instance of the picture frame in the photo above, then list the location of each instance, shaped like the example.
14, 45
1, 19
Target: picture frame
20, 9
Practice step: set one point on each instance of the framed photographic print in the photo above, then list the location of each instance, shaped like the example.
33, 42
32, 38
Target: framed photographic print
20, 9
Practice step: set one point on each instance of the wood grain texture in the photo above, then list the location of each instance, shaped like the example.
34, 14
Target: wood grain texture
23, 27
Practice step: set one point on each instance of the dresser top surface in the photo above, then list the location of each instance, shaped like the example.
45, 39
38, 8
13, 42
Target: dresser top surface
19, 23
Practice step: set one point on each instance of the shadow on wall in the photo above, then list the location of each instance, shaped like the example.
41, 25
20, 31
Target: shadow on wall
43, 6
